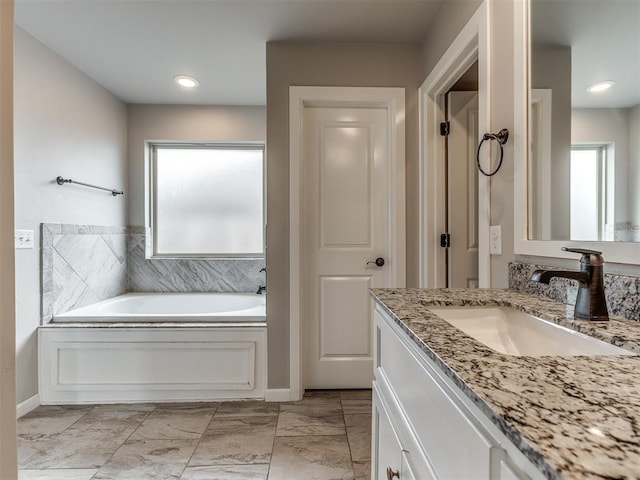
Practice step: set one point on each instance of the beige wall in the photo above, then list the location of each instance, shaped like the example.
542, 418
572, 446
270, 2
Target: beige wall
65, 124
608, 125
8, 455
183, 123
502, 116
450, 20
324, 65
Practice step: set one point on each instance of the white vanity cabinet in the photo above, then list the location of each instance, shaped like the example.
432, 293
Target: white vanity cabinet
424, 427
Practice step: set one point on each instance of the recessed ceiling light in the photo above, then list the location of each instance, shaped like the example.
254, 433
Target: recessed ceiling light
600, 86
186, 81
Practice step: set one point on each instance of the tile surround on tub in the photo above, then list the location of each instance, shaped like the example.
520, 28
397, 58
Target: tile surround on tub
81, 264
188, 275
84, 264
622, 291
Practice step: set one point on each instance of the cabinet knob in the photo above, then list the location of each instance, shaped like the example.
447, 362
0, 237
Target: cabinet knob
391, 474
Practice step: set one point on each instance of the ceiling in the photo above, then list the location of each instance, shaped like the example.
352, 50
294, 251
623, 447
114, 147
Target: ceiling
135, 48
604, 36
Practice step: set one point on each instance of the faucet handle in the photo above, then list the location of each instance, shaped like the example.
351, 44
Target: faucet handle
589, 257
583, 251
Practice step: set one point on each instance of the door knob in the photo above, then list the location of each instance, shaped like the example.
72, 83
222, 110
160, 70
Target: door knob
391, 474
379, 262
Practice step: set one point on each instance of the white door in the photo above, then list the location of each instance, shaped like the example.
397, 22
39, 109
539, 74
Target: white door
462, 144
346, 222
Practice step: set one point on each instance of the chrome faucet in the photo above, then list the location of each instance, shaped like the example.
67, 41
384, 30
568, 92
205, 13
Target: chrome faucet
591, 303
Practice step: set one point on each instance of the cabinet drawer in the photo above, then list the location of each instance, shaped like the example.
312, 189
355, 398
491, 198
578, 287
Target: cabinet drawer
387, 445
455, 447
394, 446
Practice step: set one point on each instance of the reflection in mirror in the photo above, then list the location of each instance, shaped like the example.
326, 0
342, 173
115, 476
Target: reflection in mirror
584, 173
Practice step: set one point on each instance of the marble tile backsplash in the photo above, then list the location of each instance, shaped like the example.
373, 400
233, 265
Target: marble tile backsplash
80, 265
622, 291
189, 275
623, 232
84, 264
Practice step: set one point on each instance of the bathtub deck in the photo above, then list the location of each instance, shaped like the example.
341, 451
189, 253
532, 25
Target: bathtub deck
171, 325
202, 307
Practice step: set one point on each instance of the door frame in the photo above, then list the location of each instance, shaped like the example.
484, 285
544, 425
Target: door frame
471, 44
393, 100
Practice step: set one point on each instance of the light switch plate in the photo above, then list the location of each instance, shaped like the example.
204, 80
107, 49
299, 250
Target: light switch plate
495, 240
23, 238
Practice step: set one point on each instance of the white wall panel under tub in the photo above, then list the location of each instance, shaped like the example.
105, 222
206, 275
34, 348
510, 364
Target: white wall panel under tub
94, 364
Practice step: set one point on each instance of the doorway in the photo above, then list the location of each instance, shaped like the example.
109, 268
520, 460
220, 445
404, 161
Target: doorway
461, 173
347, 227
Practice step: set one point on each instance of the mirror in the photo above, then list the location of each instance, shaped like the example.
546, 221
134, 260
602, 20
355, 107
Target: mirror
583, 180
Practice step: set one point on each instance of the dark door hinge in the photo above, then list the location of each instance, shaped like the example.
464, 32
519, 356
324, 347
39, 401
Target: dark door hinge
445, 240
445, 128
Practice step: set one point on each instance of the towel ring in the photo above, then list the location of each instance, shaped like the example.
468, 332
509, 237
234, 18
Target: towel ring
501, 137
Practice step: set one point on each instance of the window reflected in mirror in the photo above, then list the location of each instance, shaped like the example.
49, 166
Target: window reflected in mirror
590, 195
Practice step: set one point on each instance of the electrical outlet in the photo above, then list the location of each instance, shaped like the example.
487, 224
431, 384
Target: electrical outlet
23, 238
495, 240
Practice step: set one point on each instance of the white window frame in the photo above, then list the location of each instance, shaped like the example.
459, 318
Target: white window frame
602, 179
151, 148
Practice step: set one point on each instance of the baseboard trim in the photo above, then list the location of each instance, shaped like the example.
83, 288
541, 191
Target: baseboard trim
29, 404
277, 395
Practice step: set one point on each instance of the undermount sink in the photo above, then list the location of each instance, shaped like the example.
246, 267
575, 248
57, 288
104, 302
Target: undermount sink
514, 332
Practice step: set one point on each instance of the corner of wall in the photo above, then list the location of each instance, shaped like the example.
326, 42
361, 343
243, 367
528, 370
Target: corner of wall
8, 453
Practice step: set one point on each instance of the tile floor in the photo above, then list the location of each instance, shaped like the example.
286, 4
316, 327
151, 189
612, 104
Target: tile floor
325, 436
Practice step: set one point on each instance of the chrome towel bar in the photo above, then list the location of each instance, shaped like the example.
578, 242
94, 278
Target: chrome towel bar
62, 181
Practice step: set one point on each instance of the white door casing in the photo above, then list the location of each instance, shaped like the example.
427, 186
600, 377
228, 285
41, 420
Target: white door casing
347, 208
462, 175
539, 166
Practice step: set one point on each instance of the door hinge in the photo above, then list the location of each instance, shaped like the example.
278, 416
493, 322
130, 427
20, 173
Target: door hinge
445, 128
445, 240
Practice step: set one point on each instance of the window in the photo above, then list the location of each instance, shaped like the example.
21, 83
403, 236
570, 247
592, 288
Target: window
588, 192
207, 200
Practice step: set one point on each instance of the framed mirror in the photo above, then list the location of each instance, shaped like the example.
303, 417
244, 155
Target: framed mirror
578, 63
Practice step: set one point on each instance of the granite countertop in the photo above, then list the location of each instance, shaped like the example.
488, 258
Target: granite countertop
572, 417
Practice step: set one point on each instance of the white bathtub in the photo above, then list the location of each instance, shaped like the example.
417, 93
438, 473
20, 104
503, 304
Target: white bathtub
156, 347
171, 307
